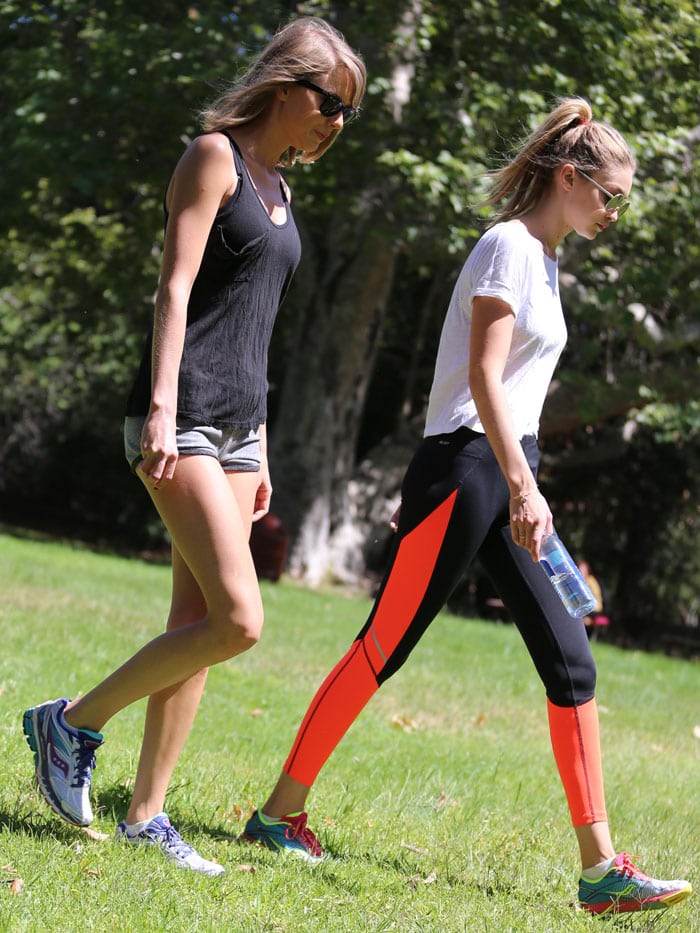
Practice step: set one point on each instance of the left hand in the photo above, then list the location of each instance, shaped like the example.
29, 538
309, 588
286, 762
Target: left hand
263, 494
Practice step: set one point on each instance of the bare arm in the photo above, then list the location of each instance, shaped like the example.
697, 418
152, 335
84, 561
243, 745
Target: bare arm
491, 335
203, 179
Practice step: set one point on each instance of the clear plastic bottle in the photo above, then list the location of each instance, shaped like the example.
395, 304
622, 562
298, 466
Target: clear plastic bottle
566, 578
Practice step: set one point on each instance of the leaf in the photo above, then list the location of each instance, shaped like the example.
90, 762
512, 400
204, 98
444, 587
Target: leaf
444, 801
412, 848
404, 722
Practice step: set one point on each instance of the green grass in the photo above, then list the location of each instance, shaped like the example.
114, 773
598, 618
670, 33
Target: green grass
441, 809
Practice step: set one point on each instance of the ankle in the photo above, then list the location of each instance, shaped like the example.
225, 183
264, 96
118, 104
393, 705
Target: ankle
141, 814
595, 872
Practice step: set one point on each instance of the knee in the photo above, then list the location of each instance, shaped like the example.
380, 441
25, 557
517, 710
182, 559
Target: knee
575, 686
239, 629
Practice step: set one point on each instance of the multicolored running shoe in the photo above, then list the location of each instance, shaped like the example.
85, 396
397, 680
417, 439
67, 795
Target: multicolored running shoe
286, 834
160, 832
64, 759
624, 888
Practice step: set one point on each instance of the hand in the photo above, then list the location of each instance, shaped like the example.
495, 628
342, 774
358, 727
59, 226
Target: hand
530, 521
158, 449
263, 495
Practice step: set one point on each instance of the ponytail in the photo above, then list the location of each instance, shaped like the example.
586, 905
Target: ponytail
568, 134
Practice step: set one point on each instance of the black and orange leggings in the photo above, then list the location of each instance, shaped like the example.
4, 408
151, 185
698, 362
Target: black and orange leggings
454, 508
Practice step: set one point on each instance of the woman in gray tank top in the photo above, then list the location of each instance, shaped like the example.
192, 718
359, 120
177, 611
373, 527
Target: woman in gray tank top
195, 425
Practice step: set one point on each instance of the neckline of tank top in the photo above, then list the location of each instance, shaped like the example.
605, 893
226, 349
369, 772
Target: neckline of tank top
260, 201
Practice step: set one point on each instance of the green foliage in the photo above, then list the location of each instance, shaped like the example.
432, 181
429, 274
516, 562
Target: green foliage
99, 100
441, 808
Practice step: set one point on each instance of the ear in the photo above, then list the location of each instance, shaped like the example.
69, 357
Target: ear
566, 175
282, 93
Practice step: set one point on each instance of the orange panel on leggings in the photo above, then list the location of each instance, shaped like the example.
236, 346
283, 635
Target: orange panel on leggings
410, 575
353, 681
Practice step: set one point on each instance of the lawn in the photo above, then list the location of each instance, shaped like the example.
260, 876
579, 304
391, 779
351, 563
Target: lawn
441, 809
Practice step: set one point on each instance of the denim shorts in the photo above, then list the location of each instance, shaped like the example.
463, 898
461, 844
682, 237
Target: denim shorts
236, 450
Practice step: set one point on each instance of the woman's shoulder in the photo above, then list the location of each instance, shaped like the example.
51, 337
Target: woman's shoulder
507, 231
509, 238
209, 157
216, 147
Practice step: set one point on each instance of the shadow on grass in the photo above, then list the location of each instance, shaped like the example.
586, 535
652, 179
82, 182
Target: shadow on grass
113, 801
37, 826
33, 818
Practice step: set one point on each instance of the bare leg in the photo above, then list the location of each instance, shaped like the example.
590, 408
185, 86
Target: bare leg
594, 843
202, 514
171, 712
289, 796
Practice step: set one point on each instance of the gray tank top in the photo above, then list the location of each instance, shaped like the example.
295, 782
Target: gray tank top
246, 269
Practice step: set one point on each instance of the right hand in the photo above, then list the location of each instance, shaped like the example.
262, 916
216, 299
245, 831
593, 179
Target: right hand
530, 521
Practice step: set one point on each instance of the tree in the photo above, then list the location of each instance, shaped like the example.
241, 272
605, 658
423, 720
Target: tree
100, 100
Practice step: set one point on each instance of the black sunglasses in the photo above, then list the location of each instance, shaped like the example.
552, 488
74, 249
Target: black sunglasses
331, 103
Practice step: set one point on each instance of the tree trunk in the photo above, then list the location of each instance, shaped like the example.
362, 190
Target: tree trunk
313, 440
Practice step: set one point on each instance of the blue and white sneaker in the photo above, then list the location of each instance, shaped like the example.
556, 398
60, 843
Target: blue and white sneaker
64, 759
286, 834
160, 832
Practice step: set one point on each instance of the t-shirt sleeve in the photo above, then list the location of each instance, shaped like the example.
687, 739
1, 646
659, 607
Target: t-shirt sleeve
498, 268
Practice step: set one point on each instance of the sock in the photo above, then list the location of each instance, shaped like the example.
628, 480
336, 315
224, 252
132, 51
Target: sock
597, 871
133, 829
268, 820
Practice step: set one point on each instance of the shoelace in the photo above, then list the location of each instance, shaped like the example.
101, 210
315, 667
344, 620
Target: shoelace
174, 841
297, 829
627, 866
85, 763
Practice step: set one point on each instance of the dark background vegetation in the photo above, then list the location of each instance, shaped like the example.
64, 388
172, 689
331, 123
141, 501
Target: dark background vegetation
98, 101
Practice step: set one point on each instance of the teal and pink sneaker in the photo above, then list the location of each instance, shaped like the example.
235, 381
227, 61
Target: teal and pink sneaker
285, 834
624, 888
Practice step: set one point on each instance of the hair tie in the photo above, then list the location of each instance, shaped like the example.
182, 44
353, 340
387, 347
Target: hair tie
584, 122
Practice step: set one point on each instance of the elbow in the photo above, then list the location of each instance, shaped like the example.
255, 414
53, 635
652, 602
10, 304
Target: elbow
478, 382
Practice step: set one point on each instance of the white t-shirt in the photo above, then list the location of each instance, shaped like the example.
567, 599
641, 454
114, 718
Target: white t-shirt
510, 264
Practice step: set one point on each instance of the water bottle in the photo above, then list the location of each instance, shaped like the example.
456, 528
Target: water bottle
566, 578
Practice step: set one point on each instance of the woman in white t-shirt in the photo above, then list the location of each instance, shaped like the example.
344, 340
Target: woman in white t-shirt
471, 490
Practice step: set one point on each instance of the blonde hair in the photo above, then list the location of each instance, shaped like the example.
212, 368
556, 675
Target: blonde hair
307, 47
568, 134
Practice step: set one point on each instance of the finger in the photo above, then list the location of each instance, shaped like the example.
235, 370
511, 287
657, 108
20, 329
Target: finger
519, 534
170, 465
153, 467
